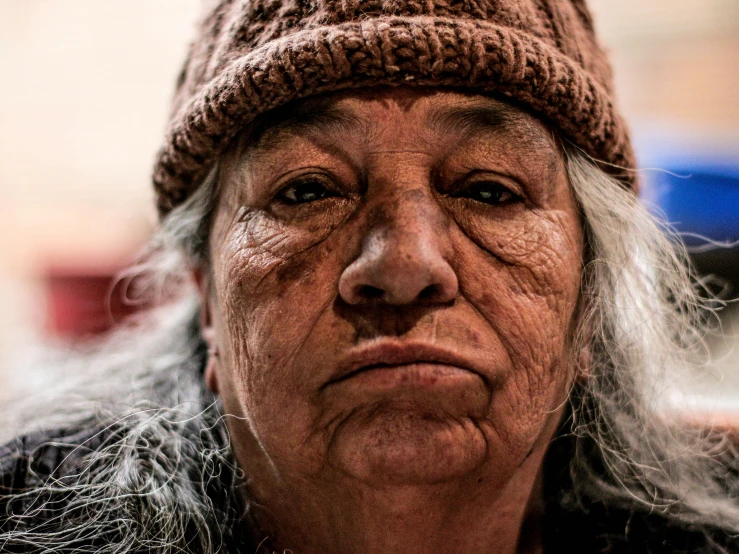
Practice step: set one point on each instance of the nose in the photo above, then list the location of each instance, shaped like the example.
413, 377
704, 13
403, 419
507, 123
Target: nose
402, 261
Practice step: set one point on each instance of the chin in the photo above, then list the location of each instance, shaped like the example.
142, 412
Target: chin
396, 445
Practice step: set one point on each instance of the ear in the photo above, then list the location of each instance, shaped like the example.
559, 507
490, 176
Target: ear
584, 354
583, 365
203, 284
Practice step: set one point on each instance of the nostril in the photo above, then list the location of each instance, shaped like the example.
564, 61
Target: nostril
369, 292
431, 292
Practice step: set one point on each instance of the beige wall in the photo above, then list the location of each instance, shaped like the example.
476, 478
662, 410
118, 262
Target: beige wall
676, 63
84, 97
86, 84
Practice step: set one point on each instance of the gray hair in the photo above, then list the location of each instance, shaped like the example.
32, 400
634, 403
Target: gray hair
640, 325
643, 327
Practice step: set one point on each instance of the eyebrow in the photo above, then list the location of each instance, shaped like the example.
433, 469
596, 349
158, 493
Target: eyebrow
469, 120
464, 119
272, 128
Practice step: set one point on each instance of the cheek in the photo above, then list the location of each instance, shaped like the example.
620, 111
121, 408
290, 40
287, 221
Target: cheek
259, 261
526, 286
260, 266
273, 283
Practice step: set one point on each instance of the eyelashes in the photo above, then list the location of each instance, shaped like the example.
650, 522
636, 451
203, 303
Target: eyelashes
313, 188
305, 190
488, 192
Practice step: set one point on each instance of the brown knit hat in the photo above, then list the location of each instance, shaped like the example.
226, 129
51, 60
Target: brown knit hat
253, 55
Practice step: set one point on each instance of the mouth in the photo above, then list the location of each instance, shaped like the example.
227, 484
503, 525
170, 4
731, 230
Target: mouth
390, 363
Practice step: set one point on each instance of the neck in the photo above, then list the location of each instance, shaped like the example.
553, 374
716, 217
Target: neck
447, 518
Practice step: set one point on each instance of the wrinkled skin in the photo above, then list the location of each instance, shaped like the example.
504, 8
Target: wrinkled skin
394, 220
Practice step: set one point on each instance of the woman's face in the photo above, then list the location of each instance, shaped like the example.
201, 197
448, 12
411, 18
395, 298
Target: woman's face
393, 287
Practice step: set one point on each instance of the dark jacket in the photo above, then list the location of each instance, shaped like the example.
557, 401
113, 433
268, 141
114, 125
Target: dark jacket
28, 462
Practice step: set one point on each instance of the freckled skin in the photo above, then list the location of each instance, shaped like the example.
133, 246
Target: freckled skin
399, 250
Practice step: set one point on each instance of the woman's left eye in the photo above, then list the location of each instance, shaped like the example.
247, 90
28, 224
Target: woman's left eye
305, 192
488, 193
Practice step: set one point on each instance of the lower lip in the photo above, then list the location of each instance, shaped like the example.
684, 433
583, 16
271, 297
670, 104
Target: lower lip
412, 375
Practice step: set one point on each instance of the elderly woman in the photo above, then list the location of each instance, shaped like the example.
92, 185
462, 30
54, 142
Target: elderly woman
428, 313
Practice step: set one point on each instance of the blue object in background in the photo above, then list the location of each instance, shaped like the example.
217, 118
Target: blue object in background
696, 190
698, 197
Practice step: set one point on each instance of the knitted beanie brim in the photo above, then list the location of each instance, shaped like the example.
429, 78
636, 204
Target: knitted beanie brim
411, 51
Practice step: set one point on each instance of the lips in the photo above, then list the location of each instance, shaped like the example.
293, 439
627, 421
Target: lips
389, 354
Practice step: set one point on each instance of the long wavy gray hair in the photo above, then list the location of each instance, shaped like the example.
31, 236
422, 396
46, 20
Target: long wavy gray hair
641, 321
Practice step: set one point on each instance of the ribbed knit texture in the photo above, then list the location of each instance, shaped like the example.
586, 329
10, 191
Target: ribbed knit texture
252, 56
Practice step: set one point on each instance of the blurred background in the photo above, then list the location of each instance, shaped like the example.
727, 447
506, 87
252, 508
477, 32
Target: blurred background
84, 101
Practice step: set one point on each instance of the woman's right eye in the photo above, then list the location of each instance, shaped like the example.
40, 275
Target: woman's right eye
303, 192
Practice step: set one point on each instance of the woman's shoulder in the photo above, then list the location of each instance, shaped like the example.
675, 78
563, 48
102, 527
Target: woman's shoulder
600, 528
31, 460
37, 476
583, 520
122, 487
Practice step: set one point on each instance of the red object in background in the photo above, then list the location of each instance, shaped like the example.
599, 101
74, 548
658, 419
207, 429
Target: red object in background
84, 302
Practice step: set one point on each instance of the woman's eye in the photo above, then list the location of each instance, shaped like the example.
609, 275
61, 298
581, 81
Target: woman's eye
489, 193
304, 192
